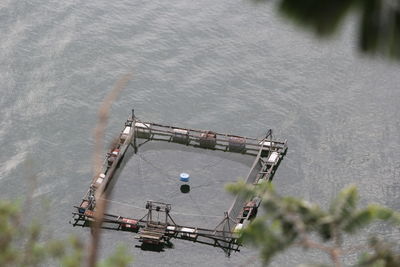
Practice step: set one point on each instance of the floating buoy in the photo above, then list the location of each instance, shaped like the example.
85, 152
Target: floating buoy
184, 177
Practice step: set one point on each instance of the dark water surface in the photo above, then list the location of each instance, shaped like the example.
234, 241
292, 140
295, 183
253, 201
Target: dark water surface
230, 66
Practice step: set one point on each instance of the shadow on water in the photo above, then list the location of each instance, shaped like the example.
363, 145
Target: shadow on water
156, 248
185, 188
151, 247
169, 244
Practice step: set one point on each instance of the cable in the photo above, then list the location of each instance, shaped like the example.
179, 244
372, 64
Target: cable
172, 212
125, 204
155, 167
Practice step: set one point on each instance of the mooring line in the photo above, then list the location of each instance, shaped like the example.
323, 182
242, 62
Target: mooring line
155, 167
198, 215
197, 170
198, 207
126, 204
172, 212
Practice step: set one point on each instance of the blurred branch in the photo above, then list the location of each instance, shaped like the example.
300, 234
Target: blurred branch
103, 118
101, 204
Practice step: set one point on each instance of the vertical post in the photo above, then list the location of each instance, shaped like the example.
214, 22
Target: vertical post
150, 213
134, 141
229, 248
227, 219
134, 131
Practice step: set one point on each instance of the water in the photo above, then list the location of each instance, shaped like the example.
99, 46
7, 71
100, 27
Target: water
230, 66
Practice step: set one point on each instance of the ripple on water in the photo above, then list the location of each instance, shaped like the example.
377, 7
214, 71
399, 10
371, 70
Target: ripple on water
227, 66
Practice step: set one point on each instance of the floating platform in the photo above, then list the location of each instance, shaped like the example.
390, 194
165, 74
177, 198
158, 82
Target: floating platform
268, 153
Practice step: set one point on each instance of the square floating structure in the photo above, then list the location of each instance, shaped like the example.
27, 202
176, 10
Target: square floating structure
268, 153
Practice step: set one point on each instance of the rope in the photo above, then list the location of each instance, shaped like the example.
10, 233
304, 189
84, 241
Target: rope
198, 215
143, 159
125, 204
172, 212
196, 170
198, 207
155, 167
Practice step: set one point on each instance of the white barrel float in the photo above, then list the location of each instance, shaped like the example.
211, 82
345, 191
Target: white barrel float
180, 135
125, 132
184, 177
143, 130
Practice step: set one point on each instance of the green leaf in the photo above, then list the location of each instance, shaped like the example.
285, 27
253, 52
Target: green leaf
325, 231
344, 205
120, 258
271, 238
359, 220
321, 16
368, 215
378, 26
382, 254
288, 220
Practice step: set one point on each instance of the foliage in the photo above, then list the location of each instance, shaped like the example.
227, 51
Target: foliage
294, 222
21, 245
379, 21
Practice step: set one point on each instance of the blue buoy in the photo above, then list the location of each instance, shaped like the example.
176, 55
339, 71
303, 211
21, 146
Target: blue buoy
184, 177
